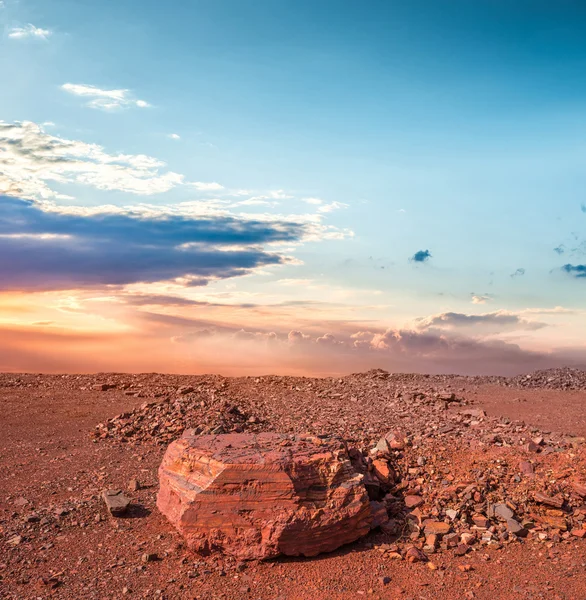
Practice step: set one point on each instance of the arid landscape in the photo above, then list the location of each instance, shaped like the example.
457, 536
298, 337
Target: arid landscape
483, 485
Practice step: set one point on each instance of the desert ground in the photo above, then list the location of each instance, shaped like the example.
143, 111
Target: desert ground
466, 444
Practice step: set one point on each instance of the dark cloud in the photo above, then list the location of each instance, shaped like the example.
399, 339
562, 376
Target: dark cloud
498, 320
583, 207
421, 256
578, 271
518, 273
560, 249
55, 250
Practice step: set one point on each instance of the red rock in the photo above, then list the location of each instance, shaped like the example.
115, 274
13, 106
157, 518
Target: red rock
395, 440
526, 467
580, 488
437, 527
480, 521
382, 470
380, 517
554, 522
257, 496
579, 533
461, 549
412, 501
548, 500
531, 446
413, 554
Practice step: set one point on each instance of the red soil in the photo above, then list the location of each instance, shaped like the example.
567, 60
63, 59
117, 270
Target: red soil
51, 465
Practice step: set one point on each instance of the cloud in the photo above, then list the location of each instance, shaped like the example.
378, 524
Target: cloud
30, 159
477, 299
518, 273
556, 310
104, 99
174, 136
206, 187
497, 321
398, 350
560, 249
578, 271
29, 31
583, 207
326, 208
293, 281
421, 256
51, 248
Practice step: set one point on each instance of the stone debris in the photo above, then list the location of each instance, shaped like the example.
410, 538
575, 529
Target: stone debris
116, 502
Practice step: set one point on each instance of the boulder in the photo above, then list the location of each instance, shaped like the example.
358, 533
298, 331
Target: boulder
256, 496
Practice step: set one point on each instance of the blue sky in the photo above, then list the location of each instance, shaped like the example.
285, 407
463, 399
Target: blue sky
376, 131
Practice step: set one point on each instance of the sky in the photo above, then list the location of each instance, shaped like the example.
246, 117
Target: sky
292, 187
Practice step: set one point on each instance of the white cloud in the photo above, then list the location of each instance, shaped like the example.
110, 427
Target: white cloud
211, 186
31, 160
174, 136
104, 99
300, 282
28, 31
315, 201
480, 299
326, 208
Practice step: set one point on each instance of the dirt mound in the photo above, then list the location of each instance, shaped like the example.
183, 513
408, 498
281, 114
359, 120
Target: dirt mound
551, 379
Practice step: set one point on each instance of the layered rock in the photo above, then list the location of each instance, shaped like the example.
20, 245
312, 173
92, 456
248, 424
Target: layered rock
255, 496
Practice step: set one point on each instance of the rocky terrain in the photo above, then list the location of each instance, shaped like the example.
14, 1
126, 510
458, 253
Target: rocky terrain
481, 484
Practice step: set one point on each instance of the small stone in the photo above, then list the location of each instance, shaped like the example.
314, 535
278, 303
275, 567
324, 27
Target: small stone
541, 498
515, 527
32, 518
133, 485
382, 470
384, 580
149, 557
412, 501
437, 527
103, 387
15, 540
480, 521
580, 488
531, 446
451, 514
461, 549
579, 533
526, 467
467, 538
451, 540
415, 555
378, 510
502, 511
116, 502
